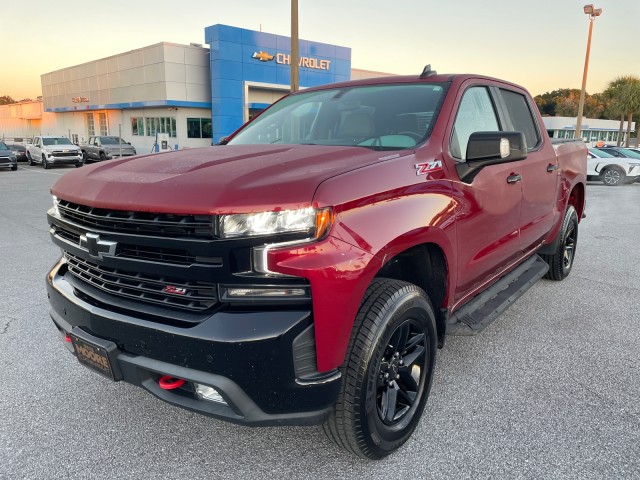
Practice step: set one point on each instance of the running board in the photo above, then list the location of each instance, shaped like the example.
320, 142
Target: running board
483, 309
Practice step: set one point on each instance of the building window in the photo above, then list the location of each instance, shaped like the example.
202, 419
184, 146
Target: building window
91, 128
149, 126
104, 126
199, 128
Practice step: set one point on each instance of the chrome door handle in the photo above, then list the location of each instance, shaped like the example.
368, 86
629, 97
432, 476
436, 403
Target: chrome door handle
514, 178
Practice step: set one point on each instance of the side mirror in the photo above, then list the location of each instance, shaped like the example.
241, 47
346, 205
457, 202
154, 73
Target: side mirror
491, 148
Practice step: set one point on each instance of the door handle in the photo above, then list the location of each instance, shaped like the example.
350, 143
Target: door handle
552, 168
514, 178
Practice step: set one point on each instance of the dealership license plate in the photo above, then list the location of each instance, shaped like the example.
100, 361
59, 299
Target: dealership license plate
93, 356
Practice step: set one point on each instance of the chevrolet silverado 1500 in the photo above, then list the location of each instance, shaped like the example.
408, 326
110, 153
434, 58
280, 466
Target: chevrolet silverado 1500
306, 271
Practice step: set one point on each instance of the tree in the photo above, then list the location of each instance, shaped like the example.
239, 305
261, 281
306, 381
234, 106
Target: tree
6, 99
624, 94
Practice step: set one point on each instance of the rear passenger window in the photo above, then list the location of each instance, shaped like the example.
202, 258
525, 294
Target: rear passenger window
521, 117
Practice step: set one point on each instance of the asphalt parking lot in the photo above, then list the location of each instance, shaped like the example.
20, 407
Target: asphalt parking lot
550, 390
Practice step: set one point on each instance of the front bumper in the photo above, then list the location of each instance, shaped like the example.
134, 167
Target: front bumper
252, 358
8, 162
65, 160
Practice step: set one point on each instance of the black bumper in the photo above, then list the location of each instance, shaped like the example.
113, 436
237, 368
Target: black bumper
247, 356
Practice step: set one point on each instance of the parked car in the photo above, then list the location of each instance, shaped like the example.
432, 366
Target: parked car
612, 169
7, 157
20, 151
52, 150
106, 147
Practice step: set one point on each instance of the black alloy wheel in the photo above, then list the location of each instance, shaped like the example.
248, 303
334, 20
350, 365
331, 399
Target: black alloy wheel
401, 373
387, 372
561, 262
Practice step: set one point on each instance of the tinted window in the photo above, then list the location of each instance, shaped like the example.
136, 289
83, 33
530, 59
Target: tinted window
521, 117
475, 114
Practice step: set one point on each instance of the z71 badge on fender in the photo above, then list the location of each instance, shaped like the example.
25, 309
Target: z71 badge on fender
428, 167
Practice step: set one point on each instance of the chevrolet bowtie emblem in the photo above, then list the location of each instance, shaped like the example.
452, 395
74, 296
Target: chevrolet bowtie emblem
262, 56
97, 248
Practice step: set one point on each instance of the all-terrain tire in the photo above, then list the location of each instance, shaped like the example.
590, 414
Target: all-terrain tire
561, 261
387, 373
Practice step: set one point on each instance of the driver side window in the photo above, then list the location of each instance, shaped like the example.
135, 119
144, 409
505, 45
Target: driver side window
476, 113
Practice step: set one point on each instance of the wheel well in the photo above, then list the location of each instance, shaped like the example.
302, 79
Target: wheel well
576, 199
425, 266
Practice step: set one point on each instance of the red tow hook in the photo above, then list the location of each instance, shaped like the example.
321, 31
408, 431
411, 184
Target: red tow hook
167, 382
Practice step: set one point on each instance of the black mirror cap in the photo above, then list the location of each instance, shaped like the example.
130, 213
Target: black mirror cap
491, 148
497, 147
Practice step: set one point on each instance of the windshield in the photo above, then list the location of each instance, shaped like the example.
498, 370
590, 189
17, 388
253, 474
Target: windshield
56, 141
382, 117
110, 141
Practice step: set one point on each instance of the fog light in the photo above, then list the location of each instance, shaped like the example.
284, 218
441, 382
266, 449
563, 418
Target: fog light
205, 392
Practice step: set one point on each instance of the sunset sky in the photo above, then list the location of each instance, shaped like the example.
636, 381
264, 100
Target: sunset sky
540, 45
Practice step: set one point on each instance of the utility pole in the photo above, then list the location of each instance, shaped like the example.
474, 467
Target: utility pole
295, 81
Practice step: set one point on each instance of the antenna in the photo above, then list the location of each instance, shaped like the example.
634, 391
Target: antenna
427, 72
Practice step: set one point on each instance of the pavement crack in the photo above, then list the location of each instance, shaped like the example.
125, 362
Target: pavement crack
7, 325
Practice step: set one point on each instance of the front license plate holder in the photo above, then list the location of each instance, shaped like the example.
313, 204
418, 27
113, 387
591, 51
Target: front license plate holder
96, 353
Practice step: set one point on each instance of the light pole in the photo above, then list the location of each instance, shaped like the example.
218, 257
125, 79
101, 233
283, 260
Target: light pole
295, 82
593, 13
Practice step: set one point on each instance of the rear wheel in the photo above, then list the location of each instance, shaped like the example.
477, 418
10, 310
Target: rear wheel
613, 176
561, 262
387, 372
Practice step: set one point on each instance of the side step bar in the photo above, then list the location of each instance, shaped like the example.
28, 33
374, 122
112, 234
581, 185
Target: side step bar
483, 309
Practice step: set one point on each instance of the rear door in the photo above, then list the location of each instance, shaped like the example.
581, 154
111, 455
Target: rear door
539, 171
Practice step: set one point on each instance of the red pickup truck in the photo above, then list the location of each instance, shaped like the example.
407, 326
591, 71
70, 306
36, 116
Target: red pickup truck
307, 271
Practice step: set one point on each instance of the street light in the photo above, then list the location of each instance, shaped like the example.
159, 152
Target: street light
295, 80
593, 13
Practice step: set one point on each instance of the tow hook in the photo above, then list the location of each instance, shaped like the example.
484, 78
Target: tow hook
167, 382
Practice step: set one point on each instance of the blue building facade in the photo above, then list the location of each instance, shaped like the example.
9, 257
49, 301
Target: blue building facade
245, 60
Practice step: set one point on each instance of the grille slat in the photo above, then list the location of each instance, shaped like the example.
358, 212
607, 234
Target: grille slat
142, 223
198, 296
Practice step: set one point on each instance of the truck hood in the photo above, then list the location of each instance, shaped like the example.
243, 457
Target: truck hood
215, 180
59, 148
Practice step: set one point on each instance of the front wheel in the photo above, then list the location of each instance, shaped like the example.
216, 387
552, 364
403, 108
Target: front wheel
387, 372
561, 262
613, 176
30, 160
45, 165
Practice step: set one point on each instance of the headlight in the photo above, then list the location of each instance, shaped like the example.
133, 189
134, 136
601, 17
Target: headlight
56, 211
314, 222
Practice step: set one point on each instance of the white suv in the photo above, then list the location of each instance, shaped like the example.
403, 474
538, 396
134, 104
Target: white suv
610, 169
51, 150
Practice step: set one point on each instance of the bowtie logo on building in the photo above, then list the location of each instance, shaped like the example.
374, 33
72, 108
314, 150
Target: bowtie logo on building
262, 56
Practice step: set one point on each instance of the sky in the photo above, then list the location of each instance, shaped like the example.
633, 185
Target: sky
539, 45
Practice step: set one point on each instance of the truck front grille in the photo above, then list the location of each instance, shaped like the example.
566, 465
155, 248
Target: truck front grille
66, 154
155, 289
141, 223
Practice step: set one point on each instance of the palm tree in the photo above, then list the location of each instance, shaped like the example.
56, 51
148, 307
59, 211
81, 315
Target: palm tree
624, 93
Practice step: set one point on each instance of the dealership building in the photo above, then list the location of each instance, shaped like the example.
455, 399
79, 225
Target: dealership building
190, 94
